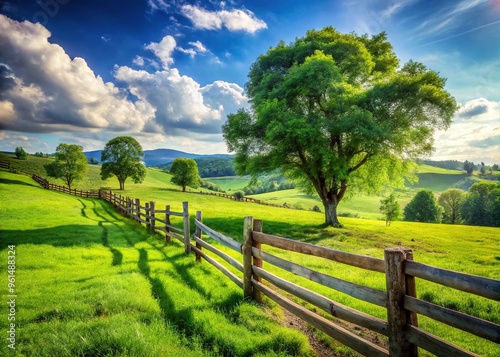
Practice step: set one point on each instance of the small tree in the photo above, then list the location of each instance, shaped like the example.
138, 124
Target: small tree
482, 170
481, 206
423, 208
20, 153
122, 157
468, 167
93, 161
495, 167
390, 209
451, 201
185, 173
70, 163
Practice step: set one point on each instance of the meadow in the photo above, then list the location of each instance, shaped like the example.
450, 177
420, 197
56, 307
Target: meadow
462, 248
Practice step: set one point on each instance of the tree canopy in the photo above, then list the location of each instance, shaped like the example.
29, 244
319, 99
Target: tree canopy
451, 201
70, 163
423, 208
335, 111
390, 208
122, 157
185, 173
481, 206
20, 153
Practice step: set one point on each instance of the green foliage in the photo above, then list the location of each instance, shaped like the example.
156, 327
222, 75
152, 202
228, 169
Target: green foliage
481, 206
122, 157
323, 113
216, 167
423, 208
495, 167
93, 161
271, 183
40, 154
482, 169
20, 153
70, 163
185, 173
451, 200
390, 209
238, 195
468, 167
210, 186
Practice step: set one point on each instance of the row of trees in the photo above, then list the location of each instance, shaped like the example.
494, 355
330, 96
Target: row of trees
480, 206
469, 168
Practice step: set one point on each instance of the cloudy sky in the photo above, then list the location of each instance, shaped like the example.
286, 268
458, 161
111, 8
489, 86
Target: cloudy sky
169, 72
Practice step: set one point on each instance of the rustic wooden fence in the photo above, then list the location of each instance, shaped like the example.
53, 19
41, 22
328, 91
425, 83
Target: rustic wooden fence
399, 298
243, 199
153, 217
5, 165
51, 186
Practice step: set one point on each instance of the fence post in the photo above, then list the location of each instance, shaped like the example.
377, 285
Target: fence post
152, 214
397, 316
185, 216
167, 223
257, 227
198, 233
247, 257
148, 226
138, 209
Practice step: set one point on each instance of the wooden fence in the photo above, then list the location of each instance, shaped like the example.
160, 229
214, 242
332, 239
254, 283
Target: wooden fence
5, 165
243, 199
399, 298
152, 217
51, 186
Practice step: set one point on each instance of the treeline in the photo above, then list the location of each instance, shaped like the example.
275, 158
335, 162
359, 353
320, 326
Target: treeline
271, 183
478, 207
466, 165
211, 167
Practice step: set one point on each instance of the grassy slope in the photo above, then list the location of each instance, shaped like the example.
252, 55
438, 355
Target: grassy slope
91, 283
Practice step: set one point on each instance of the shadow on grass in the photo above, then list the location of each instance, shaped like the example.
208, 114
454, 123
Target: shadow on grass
16, 182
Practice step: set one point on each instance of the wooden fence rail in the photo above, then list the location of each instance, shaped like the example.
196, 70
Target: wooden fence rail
399, 297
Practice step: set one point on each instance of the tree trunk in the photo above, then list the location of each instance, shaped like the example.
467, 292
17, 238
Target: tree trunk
122, 184
331, 214
184, 188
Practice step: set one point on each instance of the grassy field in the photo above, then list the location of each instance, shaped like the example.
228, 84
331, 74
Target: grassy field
92, 283
462, 248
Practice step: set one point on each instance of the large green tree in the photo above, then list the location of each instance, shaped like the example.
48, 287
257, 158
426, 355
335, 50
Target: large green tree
451, 201
423, 208
336, 111
122, 157
185, 173
481, 206
70, 163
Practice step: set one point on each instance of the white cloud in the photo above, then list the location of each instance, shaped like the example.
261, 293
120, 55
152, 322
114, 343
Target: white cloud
199, 46
474, 135
163, 50
139, 61
50, 91
234, 20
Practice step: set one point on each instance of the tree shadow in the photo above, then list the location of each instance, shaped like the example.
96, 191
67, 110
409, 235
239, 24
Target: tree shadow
16, 182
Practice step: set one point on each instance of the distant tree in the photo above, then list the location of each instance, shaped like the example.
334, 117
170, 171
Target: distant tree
93, 161
451, 201
39, 154
185, 173
482, 170
468, 167
20, 153
238, 195
70, 163
481, 206
122, 157
495, 167
423, 208
390, 209
337, 112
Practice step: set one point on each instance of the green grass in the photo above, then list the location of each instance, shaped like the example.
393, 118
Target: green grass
92, 283
230, 183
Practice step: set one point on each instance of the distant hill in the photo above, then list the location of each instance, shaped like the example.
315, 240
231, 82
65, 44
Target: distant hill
160, 157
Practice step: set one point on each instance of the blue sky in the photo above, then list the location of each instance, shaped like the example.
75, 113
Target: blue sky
169, 72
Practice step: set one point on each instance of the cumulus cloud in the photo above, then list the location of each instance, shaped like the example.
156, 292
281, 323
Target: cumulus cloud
163, 50
474, 134
234, 20
43, 89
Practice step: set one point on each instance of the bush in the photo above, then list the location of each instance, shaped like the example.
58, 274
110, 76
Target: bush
316, 209
238, 195
20, 153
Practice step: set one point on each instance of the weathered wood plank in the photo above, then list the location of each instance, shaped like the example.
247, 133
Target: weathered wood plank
175, 235
361, 292
187, 230
222, 268
474, 284
435, 345
360, 261
220, 253
228, 242
337, 332
474, 325
335, 309
246, 250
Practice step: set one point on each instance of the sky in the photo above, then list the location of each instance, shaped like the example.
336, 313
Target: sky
169, 72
